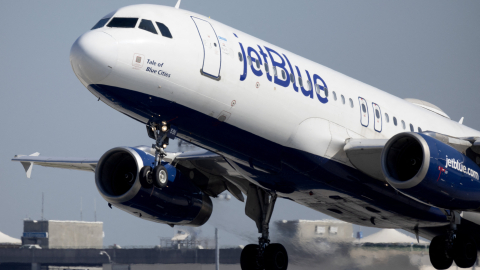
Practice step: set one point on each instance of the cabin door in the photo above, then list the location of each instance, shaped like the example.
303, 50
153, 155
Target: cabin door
212, 56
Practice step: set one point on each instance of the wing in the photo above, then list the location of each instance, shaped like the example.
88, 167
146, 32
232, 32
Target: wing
210, 172
82, 164
365, 155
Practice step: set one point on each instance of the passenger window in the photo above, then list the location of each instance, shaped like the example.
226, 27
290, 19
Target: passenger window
240, 57
351, 102
343, 99
403, 124
377, 113
100, 23
266, 67
292, 78
249, 60
164, 30
420, 130
309, 85
123, 22
148, 26
411, 128
326, 91
258, 63
394, 120
284, 75
334, 95
364, 109
275, 71
300, 82
387, 118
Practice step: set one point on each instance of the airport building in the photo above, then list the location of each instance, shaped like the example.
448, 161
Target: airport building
62, 234
315, 230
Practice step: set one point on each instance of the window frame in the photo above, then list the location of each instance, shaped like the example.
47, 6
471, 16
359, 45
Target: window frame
129, 27
166, 28
153, 25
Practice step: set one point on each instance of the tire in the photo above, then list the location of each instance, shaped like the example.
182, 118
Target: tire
465, 251
249, 258
438, 253
275, 257
146, 177
160, 176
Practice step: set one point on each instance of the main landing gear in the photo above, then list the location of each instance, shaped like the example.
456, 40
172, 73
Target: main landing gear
453, 246
267, 256
158, 175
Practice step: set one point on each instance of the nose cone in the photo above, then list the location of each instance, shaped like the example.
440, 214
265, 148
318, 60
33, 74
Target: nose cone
93, 56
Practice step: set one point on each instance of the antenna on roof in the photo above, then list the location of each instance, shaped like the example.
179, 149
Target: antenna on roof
42, 206
81, 209
177, 6
95, 209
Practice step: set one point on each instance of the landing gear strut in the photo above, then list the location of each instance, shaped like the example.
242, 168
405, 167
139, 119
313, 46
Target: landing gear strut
264, 255
453, 246
157, 176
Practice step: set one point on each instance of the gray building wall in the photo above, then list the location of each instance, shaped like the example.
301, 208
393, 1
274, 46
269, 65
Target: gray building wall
308, 230
64, 234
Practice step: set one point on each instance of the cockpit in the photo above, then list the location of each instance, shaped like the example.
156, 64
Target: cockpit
126, 22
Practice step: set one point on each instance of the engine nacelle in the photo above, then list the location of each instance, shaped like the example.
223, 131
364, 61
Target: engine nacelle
431, 172
179, 203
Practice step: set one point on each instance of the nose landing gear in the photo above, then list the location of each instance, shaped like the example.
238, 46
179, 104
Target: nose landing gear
157, 176
461, 248
266, 256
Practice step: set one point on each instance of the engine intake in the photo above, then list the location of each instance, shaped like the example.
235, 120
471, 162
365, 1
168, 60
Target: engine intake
179, 203
431, 171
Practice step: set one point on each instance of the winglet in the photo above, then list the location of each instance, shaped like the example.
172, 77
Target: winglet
177, 6
29, 165
461, 121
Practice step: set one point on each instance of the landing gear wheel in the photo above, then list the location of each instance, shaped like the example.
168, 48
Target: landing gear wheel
160, 176
146, 177
438, 253
275, 257
465, 251
249, 258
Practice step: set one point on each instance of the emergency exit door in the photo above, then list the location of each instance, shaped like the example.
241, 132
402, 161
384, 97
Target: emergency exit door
364, 119
377, 115
212, 56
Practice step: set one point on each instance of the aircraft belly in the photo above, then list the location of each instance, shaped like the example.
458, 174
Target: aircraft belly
328, 186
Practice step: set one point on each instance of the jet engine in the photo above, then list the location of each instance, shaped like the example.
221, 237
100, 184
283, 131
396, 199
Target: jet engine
180, 202
431, 172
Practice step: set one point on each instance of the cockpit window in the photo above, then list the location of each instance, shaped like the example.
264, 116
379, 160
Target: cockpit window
164, 30
101, 23
148, 26
123, 22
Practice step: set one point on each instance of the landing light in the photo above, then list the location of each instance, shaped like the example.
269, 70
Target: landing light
164, 128
164, 146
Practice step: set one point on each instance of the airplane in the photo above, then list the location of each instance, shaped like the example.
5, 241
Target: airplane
271, 124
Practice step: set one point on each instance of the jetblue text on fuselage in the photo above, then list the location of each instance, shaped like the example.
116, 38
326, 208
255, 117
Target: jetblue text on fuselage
458, 165
283, 72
